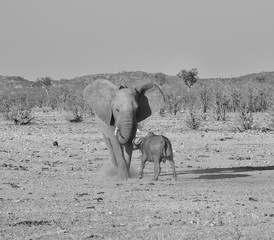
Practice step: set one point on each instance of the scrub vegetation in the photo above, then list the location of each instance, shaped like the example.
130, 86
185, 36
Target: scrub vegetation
55, 180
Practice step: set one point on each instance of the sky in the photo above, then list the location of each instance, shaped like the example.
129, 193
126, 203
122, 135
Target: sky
70, 38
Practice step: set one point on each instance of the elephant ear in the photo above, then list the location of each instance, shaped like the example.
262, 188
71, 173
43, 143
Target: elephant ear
99, 95
150, 100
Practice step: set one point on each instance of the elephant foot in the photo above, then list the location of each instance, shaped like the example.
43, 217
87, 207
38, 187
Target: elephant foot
175, 178
110, 170
124, 175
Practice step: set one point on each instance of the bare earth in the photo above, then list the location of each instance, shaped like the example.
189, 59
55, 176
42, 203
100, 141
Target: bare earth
225, 186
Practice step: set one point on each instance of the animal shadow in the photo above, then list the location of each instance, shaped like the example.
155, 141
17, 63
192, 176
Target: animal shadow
222, 173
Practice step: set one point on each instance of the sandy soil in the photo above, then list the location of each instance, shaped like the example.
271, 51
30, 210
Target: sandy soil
224, 190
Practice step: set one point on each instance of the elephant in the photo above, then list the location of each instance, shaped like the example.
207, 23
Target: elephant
118, 110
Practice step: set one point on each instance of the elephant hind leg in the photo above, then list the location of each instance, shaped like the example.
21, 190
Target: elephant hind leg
112, 157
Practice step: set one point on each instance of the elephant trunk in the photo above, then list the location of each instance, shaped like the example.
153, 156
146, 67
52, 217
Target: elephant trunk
125, 132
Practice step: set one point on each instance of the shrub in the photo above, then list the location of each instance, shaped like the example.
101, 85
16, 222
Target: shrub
235, 100
16, 107
5, 105
160, 78
44, 82
205, 98
193, 119
173, 103
220, 105
250, 100
73, 102
271, 124
261, 100
258, 98
245, 119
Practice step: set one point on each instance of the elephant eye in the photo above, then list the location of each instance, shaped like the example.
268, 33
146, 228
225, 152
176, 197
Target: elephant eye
117, 109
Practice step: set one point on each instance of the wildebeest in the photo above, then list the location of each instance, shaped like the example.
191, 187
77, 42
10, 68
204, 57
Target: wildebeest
157, 149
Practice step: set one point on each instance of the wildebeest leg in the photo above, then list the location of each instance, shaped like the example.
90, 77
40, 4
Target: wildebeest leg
157, 169
172, 164
143, 163
112, 157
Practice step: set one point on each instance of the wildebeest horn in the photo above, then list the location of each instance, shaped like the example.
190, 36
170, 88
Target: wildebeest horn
136, 142
115, 131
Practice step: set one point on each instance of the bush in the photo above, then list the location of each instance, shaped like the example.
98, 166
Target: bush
245, 119
73, 102
235, 99
173, 103
271, 124
6, 102
160, 78
16, 107
193, 119
261, 100
205, 98
257, 99
221, 104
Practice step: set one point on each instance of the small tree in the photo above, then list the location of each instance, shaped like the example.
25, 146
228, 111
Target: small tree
250, 98
160, 78
235, 99
173, 103
45, 82
205, 98
245, 119
193, 119
6, 103
73, 102
190, 77
16, 107
221, 103
261, 78
261, 100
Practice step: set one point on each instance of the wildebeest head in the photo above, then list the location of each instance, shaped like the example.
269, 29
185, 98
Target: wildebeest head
137, 142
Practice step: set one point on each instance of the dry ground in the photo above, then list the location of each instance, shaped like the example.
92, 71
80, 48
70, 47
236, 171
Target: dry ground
225, 186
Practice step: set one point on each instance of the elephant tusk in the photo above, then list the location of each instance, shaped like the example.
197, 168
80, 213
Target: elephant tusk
115, 131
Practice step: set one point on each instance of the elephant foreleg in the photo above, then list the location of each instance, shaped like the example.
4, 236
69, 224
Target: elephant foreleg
120, 159
112, 157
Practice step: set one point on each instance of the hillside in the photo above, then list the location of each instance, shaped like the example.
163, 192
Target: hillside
132, 78
14, 81
123, 78
269, 77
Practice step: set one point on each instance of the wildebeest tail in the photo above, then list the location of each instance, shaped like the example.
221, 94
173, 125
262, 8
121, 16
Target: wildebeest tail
167, 151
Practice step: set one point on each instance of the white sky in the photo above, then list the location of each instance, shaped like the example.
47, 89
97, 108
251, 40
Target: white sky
69, 38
